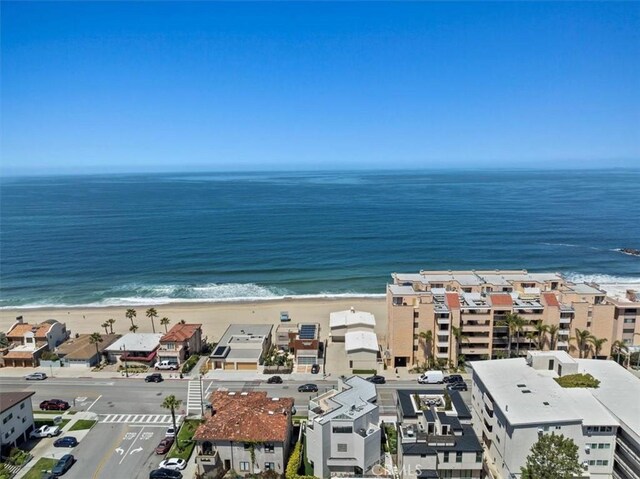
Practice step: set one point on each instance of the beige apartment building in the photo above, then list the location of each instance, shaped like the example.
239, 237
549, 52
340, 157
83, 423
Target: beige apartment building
474, 303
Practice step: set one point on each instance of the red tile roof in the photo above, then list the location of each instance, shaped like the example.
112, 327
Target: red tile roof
551, 299
20, 329
501, 300
180, 332
246, 417
453, 301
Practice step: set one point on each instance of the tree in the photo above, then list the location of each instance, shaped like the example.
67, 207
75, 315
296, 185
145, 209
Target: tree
514, 324
582, 341
111, 321
540, 331
427, 338
172, 403
553, 336
133, 328
165, 322
130, 314
105, 325
4, 341
552, 457
151, 314
597, 344
459, 337
617, 348
96, 339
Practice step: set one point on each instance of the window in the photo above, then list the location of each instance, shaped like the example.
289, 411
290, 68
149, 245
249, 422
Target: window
458, 457
445, 456
268, 447
466, 473
446, 474
21, 405
479, 456
599, 462
244, 466
415, 347
342, 429
247, 446
629, 320
558, 427
342, 447
592, 462
269, 466
628, 331
605, 462
601, 445
7, 418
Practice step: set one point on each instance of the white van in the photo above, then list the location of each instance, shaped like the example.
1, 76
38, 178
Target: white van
166, 365
432, 377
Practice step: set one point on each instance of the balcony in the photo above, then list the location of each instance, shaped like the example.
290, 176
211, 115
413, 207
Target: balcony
444, 320
565, 320
564, 332
475, 350
470, 328
487, 426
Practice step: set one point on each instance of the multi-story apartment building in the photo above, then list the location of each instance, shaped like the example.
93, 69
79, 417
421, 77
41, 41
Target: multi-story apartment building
343, 432
16, 419
471, 306
516, 401
435, 437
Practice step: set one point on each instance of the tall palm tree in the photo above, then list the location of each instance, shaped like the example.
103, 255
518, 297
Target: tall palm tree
617, 348
165, 322
105, 325
133, 328
597, 345
151, 314
582, 341
96, 339
111, 321
514, 324
172, 403
553, 336
427, 338
130, 314
459, 338
540, 331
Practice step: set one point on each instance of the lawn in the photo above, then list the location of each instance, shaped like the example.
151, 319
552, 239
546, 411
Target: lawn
81, 424
185, 435
43, 464
49, 422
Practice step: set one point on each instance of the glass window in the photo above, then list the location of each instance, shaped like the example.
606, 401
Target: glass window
247, 446
599, 462
342, 429
605, 462
342, 448
458, 457
244, 466
478, 456
445, 456
592, 462
269, 466
268, 447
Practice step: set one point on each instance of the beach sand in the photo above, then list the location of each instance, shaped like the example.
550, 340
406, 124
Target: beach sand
215, 317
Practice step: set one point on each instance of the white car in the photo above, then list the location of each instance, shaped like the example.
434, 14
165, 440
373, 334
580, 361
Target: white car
36, 377
173, 463
45, 431
171, 432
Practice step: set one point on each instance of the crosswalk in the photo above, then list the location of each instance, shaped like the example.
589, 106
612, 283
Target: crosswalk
151, 419
194, 397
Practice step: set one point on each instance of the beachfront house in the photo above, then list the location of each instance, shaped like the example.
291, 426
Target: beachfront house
81, 352
356, 329
248, 432
16, 419
302, 340
242, 347
180, 342
138, 348
27, 342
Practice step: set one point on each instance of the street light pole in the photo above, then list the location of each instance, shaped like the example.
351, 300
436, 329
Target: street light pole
201, 396
124, 356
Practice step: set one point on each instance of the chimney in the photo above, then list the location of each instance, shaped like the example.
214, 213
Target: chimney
632, 295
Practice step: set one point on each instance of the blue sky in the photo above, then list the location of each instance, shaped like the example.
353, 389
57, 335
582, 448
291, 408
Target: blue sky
120, 87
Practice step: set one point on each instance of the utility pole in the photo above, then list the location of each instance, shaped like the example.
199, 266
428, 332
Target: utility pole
201, 396
124, 357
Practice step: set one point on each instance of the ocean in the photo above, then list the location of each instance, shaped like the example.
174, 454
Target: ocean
152, 239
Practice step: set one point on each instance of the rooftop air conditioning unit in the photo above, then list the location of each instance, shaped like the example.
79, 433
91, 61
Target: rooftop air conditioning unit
410, 431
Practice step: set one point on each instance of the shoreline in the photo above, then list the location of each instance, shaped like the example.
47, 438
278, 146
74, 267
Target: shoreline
215, 317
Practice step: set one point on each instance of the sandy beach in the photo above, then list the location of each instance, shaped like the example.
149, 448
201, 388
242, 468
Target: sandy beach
215, 317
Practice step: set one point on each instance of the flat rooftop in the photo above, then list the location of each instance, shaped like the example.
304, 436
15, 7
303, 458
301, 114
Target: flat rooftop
351, 317
245, 334
354, 400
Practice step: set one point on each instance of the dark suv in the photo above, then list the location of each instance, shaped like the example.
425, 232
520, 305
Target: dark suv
308, 388
274, 380
165, 474
454, 378
54, 405
377, 379
154, 378
63, 465
315, 369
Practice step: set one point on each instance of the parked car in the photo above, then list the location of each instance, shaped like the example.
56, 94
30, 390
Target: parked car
54, 405
308, 388
36, 377
453, 378
174, 463
431, 377
66, 441
164, 445
171, 432
315, 369
170, 365
274, 380
63, 465
284, 316
457, 386
154, 378
375, 379
165, 474
45, 431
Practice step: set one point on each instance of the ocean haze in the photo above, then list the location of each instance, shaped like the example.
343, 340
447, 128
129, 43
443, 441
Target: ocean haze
132, 239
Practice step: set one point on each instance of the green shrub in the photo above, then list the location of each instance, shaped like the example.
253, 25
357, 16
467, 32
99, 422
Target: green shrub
392, 438
364, 372
578, 381
295, 459
49, 356
190, 363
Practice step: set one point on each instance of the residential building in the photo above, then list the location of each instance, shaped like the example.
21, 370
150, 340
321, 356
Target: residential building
81, 352
343, 432
180, 342
242, 347
340, 322
29, 341
247, 432
356, 329
16, 419
135, 348
474, 304
516, 401
435, 436
302, 340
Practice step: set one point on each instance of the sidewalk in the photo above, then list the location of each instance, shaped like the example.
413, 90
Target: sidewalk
82, 373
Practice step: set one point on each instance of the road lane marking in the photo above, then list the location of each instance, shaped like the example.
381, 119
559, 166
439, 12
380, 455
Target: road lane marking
106, 456
89, 408
132, 443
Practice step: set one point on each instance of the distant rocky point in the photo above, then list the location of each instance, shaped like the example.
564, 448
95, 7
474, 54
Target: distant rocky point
631, 251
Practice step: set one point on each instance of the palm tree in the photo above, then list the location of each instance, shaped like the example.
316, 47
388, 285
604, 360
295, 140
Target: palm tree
597, 345
427, 338
172, 403
130, 314
514, 324
105, 325
151, 314
540, 331
165, 322
133, 328
110, 322
459, 337
96, 339
582, 341
618, 347
553, 336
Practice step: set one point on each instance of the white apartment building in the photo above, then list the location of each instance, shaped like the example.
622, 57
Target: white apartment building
343, 432
16, 418
516, 401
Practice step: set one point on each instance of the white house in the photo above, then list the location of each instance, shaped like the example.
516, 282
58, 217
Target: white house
350, 320
343, 432
16, 418
362, 349
135, 348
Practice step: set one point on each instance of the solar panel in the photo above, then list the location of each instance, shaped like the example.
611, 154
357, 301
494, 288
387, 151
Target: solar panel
307, 331
220, 351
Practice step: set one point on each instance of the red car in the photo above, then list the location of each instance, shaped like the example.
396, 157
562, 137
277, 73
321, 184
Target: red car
164, 445
54, 405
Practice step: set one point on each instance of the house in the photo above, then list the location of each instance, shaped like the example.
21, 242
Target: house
247, 432
350, 320
28, 341
302, 340
516, 401
242, 347
435, 436
343, 432
16, 419
356, 329
80, 352
181, 341
135, 347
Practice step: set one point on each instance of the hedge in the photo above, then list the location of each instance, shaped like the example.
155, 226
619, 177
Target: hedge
578, 381
189, 364
295, 461
364, 371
